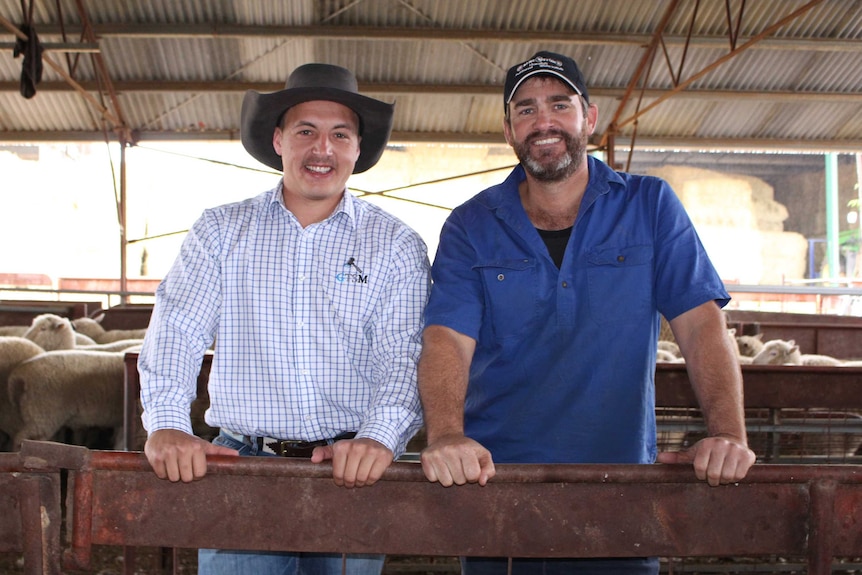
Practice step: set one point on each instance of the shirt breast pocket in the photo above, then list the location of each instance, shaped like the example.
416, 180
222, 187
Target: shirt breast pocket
620, 283
511, 295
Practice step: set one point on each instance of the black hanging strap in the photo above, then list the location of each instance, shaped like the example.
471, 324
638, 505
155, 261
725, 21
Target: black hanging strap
31, 70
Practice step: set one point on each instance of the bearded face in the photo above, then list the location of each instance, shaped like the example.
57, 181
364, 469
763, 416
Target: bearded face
548, 165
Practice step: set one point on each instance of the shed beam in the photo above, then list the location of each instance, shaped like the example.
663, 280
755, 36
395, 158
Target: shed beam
399, 88
71, 47
419, 33
645, 143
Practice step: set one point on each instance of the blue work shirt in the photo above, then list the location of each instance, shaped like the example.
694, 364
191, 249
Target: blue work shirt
564, 366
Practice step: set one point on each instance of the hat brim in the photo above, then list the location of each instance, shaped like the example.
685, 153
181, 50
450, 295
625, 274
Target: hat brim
260, 113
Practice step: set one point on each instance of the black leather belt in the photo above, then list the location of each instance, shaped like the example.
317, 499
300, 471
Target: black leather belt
294, 448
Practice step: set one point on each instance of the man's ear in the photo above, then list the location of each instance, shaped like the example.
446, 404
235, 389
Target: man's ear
276, 140
507, 130
592, 117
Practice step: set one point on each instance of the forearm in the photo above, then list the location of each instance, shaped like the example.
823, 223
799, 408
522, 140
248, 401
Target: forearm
443, 376
167, 391
714, 372
718, 386
395, 414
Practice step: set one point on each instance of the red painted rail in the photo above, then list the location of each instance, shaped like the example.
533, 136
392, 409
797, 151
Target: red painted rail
525, 511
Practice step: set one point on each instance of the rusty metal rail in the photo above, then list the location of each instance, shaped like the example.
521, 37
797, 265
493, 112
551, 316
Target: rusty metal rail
30, 515
804, 511
772, 386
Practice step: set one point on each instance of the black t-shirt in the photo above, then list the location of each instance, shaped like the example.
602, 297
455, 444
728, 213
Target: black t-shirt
556, 241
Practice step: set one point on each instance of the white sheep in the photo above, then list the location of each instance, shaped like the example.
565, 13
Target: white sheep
92, 327
778, 352
119, 345
781, 352
13, 330
13, 351
665, 356
749, 345
72, 388
670, 347
52, 332
819, 359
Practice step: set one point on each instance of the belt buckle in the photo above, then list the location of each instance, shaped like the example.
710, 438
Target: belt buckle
294, 444
294, 448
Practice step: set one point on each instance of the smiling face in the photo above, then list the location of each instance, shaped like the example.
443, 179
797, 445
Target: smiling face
548, 128
318, 142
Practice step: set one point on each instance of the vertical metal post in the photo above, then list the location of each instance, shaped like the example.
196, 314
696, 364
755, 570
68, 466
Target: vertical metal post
859, 184
820, 533
79, 520
832, 215
122, 215
39, 501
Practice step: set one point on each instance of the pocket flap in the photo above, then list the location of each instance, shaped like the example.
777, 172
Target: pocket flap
620, 255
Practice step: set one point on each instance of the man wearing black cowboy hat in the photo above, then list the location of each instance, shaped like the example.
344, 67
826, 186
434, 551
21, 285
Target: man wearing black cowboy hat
314, 299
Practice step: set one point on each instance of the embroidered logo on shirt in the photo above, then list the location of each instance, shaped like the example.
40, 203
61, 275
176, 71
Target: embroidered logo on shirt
351, 273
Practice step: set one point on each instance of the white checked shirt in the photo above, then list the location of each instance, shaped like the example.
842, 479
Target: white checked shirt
317, 330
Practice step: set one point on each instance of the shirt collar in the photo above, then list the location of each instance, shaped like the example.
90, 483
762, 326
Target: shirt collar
505, 198
601, 178
347, 208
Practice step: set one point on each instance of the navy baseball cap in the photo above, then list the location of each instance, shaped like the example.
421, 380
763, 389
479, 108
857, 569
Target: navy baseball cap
549, 64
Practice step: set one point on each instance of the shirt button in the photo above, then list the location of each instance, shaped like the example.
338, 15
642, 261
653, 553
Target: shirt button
621, 259
302, 277
500, 277
300, 323
565, 284
303, 371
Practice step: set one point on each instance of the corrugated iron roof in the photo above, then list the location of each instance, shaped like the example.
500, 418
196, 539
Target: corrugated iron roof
180, 67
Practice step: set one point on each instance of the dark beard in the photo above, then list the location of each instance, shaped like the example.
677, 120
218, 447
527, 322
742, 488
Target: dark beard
545, 169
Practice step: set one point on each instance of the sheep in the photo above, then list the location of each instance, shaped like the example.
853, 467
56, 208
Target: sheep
818, 359
749, 345
781, 352
51, 332
665, 356
13, 350
778, 352
93, 328
119, 345
669, 346
72, 388
13, 330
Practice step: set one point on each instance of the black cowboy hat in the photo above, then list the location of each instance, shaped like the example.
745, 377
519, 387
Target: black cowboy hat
261, 112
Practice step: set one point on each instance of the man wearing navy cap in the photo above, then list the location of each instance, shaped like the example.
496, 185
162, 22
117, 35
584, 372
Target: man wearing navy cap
543, 320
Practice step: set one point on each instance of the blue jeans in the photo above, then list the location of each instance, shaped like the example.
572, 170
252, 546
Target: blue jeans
494, 566
222, 562
227, 562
